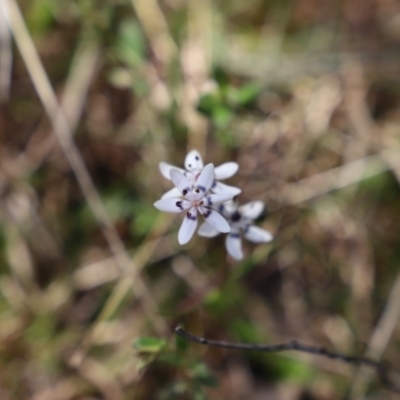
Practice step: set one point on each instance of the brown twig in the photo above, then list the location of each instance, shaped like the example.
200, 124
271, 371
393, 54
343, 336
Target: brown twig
382, 371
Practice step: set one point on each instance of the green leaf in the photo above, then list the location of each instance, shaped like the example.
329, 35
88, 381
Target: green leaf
144, 215
208, 103
181, 343
131, 44
144, 362
200, 373
246, 331
247, 94
198, 394
290, 370
41, 329
221, 77
221, 116
41, 15
149, 344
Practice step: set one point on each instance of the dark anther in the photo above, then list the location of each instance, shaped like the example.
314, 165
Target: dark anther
184, 192
197, 190
179, 204
236, 217
197, 157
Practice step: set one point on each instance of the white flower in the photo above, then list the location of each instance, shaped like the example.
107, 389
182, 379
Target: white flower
193, 167
241, 221
195, 199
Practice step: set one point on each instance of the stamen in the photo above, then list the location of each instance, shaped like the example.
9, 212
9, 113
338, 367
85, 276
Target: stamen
236, 216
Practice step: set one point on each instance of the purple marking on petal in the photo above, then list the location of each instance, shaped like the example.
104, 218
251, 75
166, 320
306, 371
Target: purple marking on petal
207, 214
193, 161
206, 177
202, 188
214, 184
215, 219
179, 205
190, 216
188, 226
234, 235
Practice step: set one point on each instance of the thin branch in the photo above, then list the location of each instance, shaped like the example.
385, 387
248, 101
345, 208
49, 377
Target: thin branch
297, 346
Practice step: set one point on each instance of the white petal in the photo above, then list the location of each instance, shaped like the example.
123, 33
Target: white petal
206, 178
193, 161
194, 195
218, 187
206, 230
233, 244
180, 181
171, 193
257, 235
188, 226
252, 210
226, 170
216, 220
213, 199
166, 168
228, 208
174, 205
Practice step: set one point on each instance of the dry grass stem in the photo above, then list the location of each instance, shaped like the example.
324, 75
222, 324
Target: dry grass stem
64, 135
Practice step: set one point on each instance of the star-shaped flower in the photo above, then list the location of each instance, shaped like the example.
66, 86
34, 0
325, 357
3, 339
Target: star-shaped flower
194, 199
193, 167
241, 221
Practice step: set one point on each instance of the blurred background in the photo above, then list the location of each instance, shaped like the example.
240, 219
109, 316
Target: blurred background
303, 94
